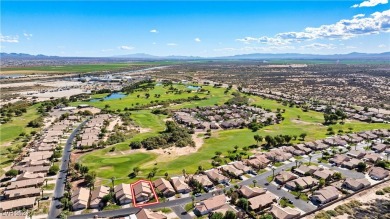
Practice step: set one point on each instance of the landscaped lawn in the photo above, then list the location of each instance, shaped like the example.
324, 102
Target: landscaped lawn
303, 196
188, 207
111, 207
49, 187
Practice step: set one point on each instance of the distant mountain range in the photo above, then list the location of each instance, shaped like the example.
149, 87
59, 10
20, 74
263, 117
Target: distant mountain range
265, 56
24, 55
252, 56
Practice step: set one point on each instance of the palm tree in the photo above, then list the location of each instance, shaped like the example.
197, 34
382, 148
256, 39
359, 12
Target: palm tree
112, 183
136, 170
166, 175
273, 172
310, 156
184, 172
254, 183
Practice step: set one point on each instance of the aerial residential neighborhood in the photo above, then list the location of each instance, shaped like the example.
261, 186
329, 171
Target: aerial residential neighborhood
195, 109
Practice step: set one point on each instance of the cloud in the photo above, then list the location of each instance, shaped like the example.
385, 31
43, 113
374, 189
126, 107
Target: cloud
318, 46
126, 47
154, 31
197, 40
370, 3
27, 35
344, 29
171, 44
382, 46
9, 39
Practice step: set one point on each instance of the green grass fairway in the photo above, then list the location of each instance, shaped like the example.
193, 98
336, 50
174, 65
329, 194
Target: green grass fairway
11, 130
147, 120
116, 166
216, 96
296, 122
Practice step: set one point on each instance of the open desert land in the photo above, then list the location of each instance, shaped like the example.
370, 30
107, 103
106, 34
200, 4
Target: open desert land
81, 68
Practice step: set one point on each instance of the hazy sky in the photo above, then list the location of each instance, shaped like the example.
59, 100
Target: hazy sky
198, 28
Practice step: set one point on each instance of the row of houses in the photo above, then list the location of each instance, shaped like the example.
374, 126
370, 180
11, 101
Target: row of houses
33, 166
225, 116
352, 113
142, 192
90, 134
259, 200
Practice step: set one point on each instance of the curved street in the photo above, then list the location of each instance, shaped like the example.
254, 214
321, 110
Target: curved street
61, 178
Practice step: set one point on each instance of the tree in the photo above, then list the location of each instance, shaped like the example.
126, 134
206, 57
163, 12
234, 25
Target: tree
217, 215
83, 170
258, 139
243, 203
287, 138
337, 176
233, 198
321, 183
303, 136
361, 167
218, 153
299, 189
135, 145
90, 178
270, 141
184, 172
54, 169
254, 183
136, 170
230, 215
12, 173
112, 182
310, 156
380, 163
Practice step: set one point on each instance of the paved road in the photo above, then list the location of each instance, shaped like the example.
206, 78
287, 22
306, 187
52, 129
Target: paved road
261, 179
181, 212
60, 183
